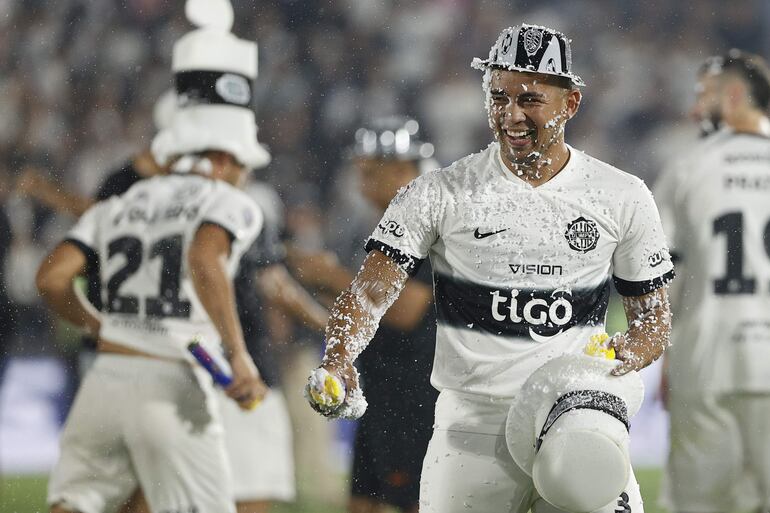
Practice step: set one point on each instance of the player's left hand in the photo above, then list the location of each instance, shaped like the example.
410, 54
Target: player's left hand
634, 354
247, 388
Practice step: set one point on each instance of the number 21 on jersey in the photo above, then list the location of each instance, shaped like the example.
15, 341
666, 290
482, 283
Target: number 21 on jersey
167, 302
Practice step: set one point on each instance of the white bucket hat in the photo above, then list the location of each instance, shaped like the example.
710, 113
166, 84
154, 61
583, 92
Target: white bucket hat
214, 71
531, 49
164, 109
568, 429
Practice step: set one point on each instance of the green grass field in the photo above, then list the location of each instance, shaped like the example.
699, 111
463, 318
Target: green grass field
27, 495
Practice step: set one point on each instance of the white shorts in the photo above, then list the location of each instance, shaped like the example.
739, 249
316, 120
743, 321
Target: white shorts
259, 447
142, 421
473, 471
720, 454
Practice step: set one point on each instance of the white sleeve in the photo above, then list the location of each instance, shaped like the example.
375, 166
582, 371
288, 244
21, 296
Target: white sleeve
409, 226
665, 193
85, 233
236, 213
641, 262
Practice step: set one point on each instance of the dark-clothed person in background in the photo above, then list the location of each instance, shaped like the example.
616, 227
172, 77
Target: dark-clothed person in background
393, 436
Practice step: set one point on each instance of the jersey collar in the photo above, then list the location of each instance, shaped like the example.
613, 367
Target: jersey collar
500, 168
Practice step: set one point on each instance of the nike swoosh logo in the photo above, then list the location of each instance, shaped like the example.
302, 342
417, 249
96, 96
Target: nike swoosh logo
480, 235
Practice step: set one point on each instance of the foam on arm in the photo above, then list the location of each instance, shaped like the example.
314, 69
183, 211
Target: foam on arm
354, 320
649, 330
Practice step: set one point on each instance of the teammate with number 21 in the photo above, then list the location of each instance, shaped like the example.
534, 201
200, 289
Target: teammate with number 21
166, 252
524, 238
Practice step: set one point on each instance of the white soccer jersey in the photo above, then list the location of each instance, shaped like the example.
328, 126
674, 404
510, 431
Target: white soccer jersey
522, 273
715, 207
140, 242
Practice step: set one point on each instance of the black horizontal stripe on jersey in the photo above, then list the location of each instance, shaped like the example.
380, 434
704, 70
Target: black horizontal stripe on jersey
640, 288
407, 262
517, 312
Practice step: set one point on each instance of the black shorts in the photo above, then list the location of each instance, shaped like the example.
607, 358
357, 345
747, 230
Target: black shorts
390, 445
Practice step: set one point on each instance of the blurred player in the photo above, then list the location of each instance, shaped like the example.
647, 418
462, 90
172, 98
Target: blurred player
523, 239
261, 277
259, 442
166, 251
714, 206
392, 438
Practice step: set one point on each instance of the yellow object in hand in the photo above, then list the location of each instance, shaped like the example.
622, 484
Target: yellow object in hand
333, 388
332, 394
597, 346
253, 404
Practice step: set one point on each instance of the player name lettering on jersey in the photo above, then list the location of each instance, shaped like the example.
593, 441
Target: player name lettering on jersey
747, 157
746, 182
184, 212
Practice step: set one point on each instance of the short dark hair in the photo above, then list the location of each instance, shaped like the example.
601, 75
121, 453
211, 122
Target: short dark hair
750, 68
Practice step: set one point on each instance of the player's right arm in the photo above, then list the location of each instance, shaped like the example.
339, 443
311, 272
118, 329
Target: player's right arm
353, 321
73, 257
400, 242
207, 260
55, 284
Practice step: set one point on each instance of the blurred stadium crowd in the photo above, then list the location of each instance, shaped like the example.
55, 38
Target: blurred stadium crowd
80, 78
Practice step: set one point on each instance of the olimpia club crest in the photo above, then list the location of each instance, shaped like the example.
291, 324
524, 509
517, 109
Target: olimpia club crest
582, 234
533, 40
532, 49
